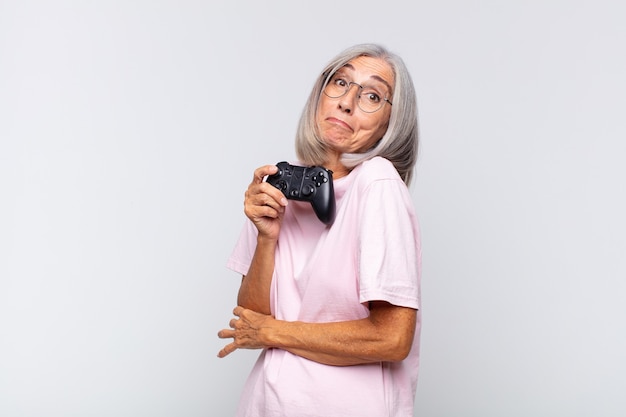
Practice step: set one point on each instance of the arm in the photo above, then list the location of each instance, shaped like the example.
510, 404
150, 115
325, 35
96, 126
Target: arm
254, 292
386, 335
264, 205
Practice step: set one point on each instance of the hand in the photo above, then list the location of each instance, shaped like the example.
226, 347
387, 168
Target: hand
264, 204
246, 331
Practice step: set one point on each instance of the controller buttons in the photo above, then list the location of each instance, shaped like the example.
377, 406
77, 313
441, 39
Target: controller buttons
320, 179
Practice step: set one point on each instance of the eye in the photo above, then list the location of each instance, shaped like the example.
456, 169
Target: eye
340, 82
371, 96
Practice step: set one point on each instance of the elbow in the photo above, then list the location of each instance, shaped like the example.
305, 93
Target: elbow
394, 347
396, 327
400, 350
400, 345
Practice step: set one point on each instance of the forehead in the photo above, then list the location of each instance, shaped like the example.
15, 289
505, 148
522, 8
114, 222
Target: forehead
367, 68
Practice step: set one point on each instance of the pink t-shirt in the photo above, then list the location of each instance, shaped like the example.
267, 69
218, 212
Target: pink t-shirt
328, 274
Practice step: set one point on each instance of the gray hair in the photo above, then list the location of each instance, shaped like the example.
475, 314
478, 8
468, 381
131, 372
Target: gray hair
399, 144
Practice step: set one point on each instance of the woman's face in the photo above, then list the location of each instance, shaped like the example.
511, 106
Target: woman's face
343, 125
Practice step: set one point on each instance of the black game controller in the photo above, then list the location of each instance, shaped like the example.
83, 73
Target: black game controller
314, 184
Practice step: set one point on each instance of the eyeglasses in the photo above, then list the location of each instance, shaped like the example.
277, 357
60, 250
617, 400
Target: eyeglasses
369, 98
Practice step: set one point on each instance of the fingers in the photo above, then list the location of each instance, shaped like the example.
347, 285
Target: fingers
264, 195
264, 201
226, 334
261, 172
227, 350
265, 204
258, 180
229, 334
244, 330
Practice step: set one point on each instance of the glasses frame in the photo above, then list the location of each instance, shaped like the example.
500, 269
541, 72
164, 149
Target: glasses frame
358, 101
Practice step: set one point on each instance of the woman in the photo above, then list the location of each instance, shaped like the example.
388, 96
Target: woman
336, 308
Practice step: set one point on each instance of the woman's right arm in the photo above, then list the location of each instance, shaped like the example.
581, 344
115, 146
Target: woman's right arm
254, 292
264, 205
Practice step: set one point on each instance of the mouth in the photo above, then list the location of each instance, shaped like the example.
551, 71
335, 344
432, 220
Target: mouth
339, 123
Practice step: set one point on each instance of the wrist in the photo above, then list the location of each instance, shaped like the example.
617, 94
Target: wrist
263, 240
282, 334
269, 333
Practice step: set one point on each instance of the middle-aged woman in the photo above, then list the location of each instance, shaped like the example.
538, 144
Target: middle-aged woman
336, 308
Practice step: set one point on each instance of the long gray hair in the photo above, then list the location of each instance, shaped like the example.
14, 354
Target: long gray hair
399, 144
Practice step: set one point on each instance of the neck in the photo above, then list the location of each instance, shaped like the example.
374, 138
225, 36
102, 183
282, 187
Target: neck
334, 164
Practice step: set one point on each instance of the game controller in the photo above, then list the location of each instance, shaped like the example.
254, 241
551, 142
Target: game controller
313, 184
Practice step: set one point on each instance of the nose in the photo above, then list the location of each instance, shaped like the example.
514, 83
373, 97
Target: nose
348, 100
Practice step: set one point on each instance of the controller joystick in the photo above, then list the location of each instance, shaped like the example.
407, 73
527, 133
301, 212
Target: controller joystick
313, 184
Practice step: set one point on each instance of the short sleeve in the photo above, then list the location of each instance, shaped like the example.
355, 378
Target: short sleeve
241, 256
389, 254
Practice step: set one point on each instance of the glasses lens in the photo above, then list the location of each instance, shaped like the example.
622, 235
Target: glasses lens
369, 99
336, 87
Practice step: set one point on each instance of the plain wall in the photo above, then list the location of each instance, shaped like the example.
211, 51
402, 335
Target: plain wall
129, 131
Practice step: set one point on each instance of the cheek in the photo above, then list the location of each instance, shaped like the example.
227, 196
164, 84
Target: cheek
383, 129
320, 112
379, 127
369, 144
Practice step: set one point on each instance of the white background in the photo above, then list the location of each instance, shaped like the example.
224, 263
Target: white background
130, 129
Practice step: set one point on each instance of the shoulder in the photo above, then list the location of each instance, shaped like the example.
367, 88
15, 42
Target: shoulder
377, 168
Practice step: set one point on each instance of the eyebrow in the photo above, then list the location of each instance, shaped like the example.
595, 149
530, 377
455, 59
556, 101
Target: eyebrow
376, 77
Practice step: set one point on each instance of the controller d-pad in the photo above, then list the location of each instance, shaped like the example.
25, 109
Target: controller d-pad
282, 185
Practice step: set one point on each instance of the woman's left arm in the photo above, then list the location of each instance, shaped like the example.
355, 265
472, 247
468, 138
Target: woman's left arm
386, 335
